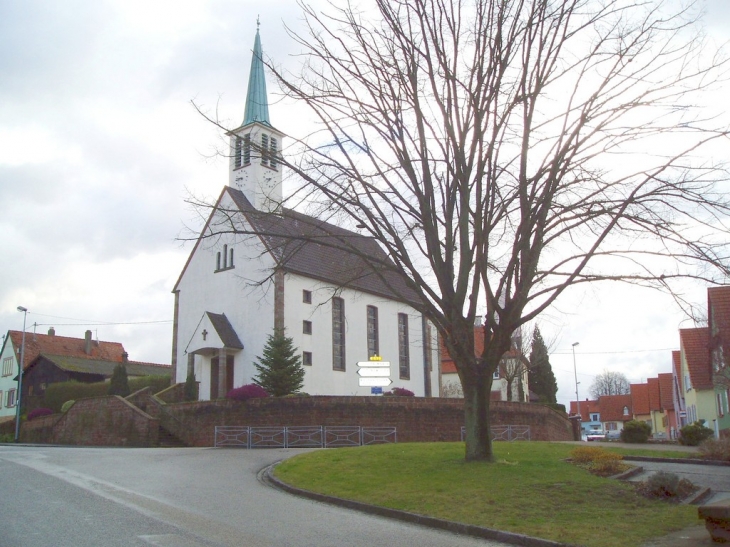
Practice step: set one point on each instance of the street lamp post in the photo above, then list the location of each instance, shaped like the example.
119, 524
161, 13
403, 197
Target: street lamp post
575, 371
20, 375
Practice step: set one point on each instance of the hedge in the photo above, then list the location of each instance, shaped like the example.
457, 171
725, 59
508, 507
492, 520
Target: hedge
59, 393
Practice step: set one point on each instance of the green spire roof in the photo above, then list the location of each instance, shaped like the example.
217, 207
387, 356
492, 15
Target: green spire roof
257, 104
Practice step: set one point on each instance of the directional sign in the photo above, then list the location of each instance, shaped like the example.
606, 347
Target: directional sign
373, 364
374, 382
379, 371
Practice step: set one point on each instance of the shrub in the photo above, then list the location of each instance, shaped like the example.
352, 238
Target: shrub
716, 449
156, 383
57, 394
399, 392
694, 434
35, 413
119, 383
607, 463
67, 405
663, 484
249, 391
667, 486
598, 460
7, 438
586, 454
190, 390
635, 431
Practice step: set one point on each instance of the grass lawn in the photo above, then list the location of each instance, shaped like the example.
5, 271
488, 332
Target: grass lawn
531, 490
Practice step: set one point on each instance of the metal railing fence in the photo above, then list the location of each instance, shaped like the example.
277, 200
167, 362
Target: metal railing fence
506, 433
302, 436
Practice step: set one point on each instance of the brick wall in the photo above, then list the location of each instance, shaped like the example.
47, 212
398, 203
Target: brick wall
416, 419
112, 421
39, 430
173, 394
98, 421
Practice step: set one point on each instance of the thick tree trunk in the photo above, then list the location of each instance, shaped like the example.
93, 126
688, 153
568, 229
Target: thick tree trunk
476, 418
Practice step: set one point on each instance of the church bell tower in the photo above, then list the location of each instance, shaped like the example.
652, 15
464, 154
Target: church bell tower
255, 147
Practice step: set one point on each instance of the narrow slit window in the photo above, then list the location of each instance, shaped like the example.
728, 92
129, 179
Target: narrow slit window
237, 154
225, 256
404, 360
372, 328
307, 358
338, 333
247, 149
306, 327
218, 261
264, 149
273, 152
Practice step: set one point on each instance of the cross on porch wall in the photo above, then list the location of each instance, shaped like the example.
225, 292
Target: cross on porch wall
205, 334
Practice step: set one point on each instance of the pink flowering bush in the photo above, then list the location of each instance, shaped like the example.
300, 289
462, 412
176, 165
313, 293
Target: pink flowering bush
249, 391
399, 392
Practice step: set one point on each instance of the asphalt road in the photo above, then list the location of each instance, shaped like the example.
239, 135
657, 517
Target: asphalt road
187, 497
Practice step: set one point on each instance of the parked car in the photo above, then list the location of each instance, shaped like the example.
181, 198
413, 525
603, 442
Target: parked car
613, 436
595, 435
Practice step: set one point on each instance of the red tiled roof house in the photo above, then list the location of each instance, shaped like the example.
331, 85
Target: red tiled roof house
696, 375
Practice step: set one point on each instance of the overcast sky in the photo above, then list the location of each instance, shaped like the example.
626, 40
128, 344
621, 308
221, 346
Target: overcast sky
99, 147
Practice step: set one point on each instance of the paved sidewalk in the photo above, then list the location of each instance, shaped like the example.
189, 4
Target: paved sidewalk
716, 477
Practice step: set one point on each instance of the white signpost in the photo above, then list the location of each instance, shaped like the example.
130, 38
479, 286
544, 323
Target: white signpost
374, 382
375, 373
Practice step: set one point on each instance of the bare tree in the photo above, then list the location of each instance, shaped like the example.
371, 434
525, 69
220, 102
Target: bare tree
610, 383
514, 365
503, 151
513, 369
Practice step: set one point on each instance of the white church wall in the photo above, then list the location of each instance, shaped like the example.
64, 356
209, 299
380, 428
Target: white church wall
320, 378
237, 292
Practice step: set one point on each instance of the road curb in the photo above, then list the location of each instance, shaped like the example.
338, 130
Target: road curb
267, 476
695, 461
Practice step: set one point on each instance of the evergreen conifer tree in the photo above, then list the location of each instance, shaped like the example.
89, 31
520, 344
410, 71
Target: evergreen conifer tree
119, 383
280, 370
540, 376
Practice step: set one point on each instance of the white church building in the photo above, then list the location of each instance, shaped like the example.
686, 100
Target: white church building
257, 266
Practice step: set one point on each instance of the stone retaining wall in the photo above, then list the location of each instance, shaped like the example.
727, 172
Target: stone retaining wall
98, 421
113, 421
417, 419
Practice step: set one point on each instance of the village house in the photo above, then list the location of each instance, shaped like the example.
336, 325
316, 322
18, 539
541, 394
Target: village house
49, 359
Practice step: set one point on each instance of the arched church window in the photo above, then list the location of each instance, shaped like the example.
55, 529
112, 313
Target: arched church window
225, 256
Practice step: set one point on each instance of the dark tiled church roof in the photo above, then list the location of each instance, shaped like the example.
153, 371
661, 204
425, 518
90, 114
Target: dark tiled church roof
317, 249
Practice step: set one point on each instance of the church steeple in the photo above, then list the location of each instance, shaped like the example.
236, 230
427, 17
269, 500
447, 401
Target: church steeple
255, 166
257, 103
